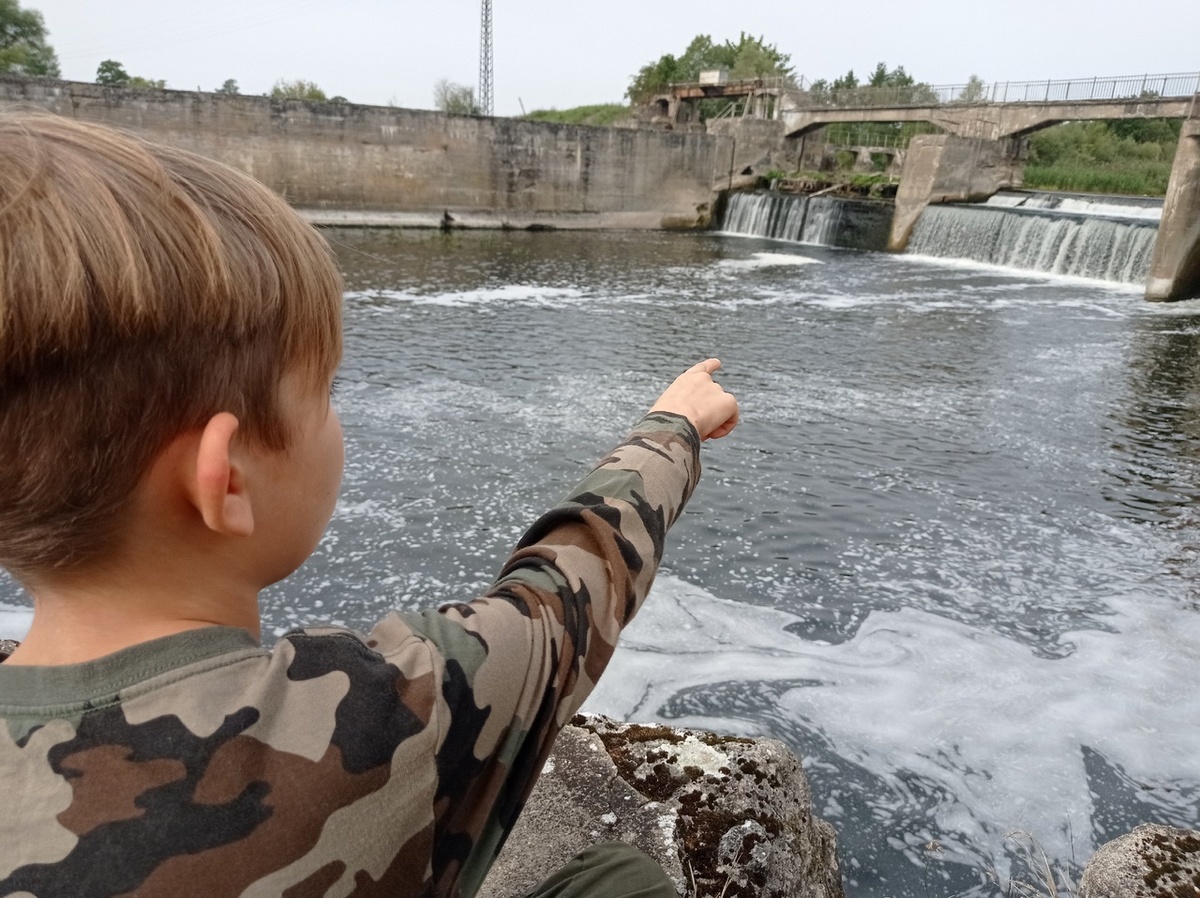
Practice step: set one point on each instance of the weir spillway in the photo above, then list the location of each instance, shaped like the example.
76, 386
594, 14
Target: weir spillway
816, 220
1102, 239
1072, 235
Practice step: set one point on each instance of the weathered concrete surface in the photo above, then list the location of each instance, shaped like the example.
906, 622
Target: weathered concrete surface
1175, 267
990, 121
942, 168
754, 147
723, 816
862, 224
1151, 862
344, 157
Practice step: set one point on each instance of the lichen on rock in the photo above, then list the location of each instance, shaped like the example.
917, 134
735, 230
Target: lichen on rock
1153, 861
725, 816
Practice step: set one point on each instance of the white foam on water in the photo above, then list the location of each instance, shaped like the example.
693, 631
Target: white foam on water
1111, 210
507, 294
1184, 308
1007, 200
1026, 273
998, 730
1019, 297
1106, 206
768, 260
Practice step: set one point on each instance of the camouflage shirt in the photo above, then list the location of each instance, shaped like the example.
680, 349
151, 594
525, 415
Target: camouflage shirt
335, 764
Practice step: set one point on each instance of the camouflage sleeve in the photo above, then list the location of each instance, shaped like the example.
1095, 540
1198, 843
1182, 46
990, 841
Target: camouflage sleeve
519, 661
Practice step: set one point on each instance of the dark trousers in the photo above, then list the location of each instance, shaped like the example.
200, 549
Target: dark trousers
609, 870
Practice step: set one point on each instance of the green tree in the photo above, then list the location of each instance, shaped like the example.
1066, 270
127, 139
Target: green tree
229, 88
1124, 156
847, 82
455, 99
653, 78
297, 90
111, 73
23, 47
975, 91
897, 87
1148, 130
750, 57
753, 57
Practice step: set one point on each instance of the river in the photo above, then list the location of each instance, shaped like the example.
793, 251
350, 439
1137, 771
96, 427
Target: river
950, 556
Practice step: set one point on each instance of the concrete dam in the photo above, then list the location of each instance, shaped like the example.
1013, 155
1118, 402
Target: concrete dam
413, 167
347, 164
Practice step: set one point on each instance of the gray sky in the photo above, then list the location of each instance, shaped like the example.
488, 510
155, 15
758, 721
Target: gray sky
552, 54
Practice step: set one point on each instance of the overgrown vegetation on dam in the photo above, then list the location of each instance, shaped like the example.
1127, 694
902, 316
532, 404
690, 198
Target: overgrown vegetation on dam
599, 114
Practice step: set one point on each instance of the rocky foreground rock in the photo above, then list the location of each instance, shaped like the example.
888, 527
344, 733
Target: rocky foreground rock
1151, 862
724, 816
731, 817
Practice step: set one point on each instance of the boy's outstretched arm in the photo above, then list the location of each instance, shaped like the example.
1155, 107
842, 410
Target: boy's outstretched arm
518, 662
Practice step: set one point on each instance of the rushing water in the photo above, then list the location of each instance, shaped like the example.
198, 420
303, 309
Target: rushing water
950, 556
783, 216
1148, 208
821, 220
1073, 244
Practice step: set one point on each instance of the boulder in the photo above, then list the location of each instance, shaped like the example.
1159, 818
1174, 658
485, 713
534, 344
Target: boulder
1153, 861
724, 816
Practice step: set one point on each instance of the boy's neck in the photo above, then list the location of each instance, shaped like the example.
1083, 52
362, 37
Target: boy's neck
71, 626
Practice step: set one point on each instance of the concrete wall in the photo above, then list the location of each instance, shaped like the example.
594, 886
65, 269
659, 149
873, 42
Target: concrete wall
754, 147
942, 168
1175, 268
415, 165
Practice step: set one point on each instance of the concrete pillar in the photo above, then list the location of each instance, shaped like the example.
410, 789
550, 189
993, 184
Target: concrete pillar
673, 107
943, 168
1175, 268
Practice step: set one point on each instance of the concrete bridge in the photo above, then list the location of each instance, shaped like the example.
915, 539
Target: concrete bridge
979, 150
990, 121
992, 111
947, 168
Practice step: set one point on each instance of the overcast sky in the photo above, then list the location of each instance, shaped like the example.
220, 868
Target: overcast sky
549, 53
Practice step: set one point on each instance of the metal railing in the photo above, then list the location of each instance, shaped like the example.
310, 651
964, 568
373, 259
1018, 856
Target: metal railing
1123, 87
733, 110
868, 138
758, 83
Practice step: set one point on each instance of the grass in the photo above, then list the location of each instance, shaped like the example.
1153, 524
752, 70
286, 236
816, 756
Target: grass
1132, 157
1041, 879
1143, 178
601, 114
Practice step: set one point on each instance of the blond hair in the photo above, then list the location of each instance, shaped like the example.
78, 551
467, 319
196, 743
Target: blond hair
142, 290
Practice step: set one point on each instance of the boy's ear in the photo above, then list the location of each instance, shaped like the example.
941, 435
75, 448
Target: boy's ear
219, 486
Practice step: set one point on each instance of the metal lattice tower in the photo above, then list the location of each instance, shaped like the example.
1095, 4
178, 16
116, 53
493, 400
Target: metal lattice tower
485, 60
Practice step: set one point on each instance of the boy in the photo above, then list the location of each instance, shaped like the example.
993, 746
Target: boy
169, 330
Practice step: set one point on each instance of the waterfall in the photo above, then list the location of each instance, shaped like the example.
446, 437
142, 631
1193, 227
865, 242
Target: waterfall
1110, 249
824, 218
783, 216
